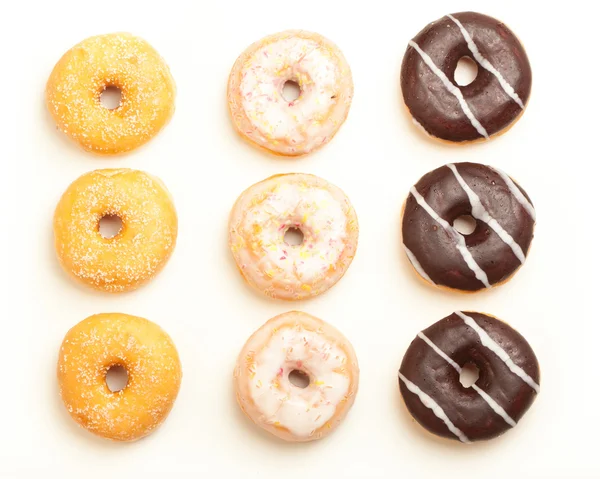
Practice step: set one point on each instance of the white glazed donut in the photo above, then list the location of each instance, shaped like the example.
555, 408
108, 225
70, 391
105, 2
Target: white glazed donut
296, 341
263, 116
262, 215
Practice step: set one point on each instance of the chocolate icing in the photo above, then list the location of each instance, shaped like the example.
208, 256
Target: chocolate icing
465, 408
435, 249
435, 107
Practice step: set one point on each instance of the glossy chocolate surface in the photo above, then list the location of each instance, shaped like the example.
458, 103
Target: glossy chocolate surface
437, 251
435, 107
466, 408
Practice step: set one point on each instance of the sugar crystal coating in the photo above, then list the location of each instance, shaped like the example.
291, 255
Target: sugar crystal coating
148, 354
142, 247
118, 60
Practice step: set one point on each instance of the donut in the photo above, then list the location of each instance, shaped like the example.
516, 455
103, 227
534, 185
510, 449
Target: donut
296, 343
493, 252
508, 382
480, 110
265, 212
264, 117
142, 246
144, 350
120, 61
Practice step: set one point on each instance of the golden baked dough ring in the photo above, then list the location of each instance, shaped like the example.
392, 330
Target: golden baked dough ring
116, 60
139, 250
148, 354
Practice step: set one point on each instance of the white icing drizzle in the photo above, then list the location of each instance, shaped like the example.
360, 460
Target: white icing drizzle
460, 240
510, 91
514, 189
415, 262
429, 403
452, 89
479, 212
495, 406
496, 349
485, 396
432, 345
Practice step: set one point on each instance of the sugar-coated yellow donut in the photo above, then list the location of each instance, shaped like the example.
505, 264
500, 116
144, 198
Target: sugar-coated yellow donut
138, 251
148, 355
118, 60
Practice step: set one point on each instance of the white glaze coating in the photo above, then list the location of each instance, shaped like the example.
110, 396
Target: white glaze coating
480, 213
486, 397
296, 341
429, 403
496, 349
460, 240
452, 89
510, 91
263, 214
415, 263
514, 189
265, 117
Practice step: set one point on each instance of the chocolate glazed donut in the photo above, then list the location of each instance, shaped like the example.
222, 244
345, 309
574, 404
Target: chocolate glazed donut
493, 252
508, 382
485, 107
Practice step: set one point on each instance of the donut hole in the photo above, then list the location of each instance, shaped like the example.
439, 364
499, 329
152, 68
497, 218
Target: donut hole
291, 91
469, 375
299, 379
110, 226
465, 224
111, 97
293, 237
466, 71
116, 378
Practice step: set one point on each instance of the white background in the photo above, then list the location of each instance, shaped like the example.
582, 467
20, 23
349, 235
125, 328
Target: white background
380, 305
